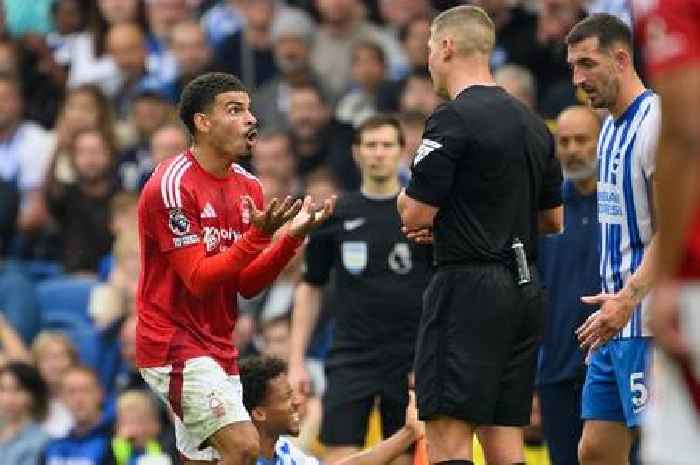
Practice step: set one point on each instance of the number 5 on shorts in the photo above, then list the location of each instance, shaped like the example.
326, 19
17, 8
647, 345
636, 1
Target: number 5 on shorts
638, 390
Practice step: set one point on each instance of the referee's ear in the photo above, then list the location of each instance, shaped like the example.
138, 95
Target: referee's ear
258, 414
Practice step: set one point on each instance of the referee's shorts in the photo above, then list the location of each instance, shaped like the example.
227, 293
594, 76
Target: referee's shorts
477, 345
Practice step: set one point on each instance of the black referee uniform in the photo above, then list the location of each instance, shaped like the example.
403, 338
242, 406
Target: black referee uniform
488, 164
378, 278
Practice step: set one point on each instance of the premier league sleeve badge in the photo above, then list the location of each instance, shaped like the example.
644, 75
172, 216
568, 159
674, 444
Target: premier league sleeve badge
178, 222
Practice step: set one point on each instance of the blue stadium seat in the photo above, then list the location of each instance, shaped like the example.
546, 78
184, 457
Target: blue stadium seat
65, 294
79, 331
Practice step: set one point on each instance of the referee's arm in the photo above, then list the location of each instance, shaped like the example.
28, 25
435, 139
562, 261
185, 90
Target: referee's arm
414, 213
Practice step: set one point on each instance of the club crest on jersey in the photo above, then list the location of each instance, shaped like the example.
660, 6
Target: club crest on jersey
216, 406
178, 222
354, 254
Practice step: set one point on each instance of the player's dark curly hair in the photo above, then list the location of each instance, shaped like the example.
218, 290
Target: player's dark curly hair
256, 372
201, 92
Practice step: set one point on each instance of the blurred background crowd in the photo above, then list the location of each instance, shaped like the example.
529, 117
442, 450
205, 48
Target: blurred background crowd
88, 94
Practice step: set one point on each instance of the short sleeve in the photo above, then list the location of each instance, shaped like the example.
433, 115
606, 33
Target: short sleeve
550, 197
648, 134
435, 161
319, 254
172, 217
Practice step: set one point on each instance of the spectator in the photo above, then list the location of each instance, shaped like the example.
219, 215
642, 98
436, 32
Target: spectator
318, 139
69, 19
81, 209
368, 63
24, 145
247, 53
412, 126
9, 205
23, 405
518, 82
397, 14
150, 110
275, 336
341, 27
162, 16
273, 158
167, 141
418, 94
223, 20
128, 376
137, 432
90, 63
192, 52
127, 44
11, 345
89, 440
53, 354
292, 36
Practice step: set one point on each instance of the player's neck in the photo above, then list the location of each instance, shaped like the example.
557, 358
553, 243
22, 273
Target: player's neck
630, 89
469, 72
387, 188
267, 445
211, 160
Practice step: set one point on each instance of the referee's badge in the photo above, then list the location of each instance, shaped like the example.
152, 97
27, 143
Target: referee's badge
354, 254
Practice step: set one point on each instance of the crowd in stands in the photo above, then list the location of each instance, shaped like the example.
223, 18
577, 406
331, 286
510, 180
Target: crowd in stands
88, 94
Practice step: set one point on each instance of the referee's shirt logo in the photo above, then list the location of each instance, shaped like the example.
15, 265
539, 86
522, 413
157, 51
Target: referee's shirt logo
426, 146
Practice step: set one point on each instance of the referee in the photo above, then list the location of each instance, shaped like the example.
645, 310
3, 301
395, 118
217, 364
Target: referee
484, 178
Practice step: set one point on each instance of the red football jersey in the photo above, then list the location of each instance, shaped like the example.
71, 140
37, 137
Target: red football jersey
669, 32
182, 205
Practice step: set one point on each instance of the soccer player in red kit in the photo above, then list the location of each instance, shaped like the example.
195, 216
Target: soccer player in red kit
206, 237
669, 31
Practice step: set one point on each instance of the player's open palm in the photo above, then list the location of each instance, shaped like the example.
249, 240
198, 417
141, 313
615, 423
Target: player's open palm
311, 216
275, 215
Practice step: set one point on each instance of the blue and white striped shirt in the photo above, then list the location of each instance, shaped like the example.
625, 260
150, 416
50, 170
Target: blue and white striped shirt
626, 154
286, 453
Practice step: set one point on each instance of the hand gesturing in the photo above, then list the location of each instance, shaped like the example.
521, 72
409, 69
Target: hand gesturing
275, 215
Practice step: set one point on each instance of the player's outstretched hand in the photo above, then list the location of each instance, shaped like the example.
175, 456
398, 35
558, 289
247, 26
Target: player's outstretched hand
275, 215
310, 216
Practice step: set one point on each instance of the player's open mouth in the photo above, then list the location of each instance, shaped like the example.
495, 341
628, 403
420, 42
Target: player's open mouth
252, 136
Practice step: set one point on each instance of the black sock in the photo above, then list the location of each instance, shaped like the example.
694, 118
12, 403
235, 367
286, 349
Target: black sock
455, 462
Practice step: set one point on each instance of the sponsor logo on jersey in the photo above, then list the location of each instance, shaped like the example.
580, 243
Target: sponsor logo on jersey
213, 236
354, 254
208, 211
400, 259
349, 225
426, 146
186, 240
178, 222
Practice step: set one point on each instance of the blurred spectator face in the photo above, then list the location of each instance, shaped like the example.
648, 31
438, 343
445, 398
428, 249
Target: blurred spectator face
412, 133
137, 419
190, 47
276, 338
272, 156
127, 339
399, 12
577, 140
595, 71
81, 393
280, 408
10, 105
367, 67
119, 11
379, 153
556, 19
419, 95
308, 113
291, 54
69, 17
53, 357
320, 187
166, 142
337, 11
8, 58
258, 13
518, 82
15, 401
416, 41
149, 113
127, 46
272, 187
80, 111
91, 156
494, 8
163, 15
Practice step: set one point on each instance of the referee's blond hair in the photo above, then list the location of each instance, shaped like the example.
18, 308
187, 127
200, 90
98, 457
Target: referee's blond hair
469, 27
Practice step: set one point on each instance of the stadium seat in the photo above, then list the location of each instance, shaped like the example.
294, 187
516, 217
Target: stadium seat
66, 294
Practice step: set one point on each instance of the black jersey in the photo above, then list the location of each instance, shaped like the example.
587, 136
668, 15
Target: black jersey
488, 163
379, 275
